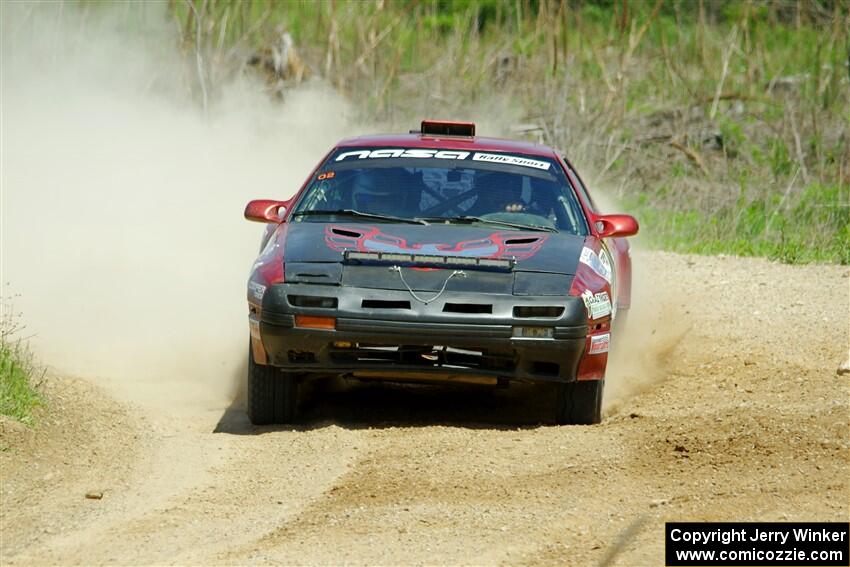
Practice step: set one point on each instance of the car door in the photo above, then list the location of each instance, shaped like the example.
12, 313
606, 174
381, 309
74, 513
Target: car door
617, 248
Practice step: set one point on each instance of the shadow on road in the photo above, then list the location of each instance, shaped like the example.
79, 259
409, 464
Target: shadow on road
383, 405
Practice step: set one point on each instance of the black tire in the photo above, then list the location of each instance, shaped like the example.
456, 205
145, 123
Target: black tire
272, 394
579, 402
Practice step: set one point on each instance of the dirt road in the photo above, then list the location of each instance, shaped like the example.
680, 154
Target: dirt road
724, 405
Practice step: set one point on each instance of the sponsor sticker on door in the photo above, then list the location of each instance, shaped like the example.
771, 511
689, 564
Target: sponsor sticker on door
599, 343
598, 305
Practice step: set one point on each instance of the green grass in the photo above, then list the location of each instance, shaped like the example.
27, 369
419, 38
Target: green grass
815, 229
19, 396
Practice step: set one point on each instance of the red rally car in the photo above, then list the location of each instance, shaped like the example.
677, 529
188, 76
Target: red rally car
439, 256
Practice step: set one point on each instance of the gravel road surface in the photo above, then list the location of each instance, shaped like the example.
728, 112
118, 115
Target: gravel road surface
723, 404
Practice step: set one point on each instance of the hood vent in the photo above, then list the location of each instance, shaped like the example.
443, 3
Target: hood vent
526, 240
343, 232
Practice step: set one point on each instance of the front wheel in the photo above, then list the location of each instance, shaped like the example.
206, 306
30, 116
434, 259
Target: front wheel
272, 393
579, 402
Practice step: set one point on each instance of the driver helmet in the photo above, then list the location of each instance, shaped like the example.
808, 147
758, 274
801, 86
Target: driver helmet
372, 192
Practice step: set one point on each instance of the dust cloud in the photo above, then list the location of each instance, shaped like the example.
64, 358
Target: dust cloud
643, 346
123, 240
645, 338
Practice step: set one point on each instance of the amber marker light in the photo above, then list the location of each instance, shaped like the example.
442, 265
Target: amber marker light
315, 322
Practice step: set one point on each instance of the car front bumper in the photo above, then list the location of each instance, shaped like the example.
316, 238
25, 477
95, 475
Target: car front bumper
384, 333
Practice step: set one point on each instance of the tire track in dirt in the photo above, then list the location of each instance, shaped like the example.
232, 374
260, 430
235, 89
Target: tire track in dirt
443, 495
218, 490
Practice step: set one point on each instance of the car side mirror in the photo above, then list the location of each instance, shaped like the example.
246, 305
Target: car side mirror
609, 226
266, 210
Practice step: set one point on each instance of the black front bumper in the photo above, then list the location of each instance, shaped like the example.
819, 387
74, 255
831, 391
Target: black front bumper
460, 333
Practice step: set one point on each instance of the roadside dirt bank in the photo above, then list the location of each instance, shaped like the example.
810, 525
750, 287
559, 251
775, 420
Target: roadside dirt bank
723, 404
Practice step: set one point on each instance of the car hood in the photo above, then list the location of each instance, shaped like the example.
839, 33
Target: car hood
534, 251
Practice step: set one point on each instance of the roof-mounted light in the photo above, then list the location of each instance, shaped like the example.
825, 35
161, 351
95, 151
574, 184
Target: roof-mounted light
447, 128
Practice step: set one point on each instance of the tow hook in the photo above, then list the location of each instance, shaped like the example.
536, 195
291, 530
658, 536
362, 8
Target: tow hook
437, 355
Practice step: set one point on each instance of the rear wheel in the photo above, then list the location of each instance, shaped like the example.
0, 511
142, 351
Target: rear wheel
272, 394
579, 402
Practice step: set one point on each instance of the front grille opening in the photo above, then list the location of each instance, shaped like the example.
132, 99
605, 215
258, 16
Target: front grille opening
527, 311
546, 368
301, 356
312, 301
375, 353
437, 356
384, 304
467, 308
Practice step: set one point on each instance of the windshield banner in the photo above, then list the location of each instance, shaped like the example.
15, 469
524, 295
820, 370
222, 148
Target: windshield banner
385, 153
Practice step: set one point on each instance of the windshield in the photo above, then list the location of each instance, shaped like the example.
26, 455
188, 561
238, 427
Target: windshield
448, 186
